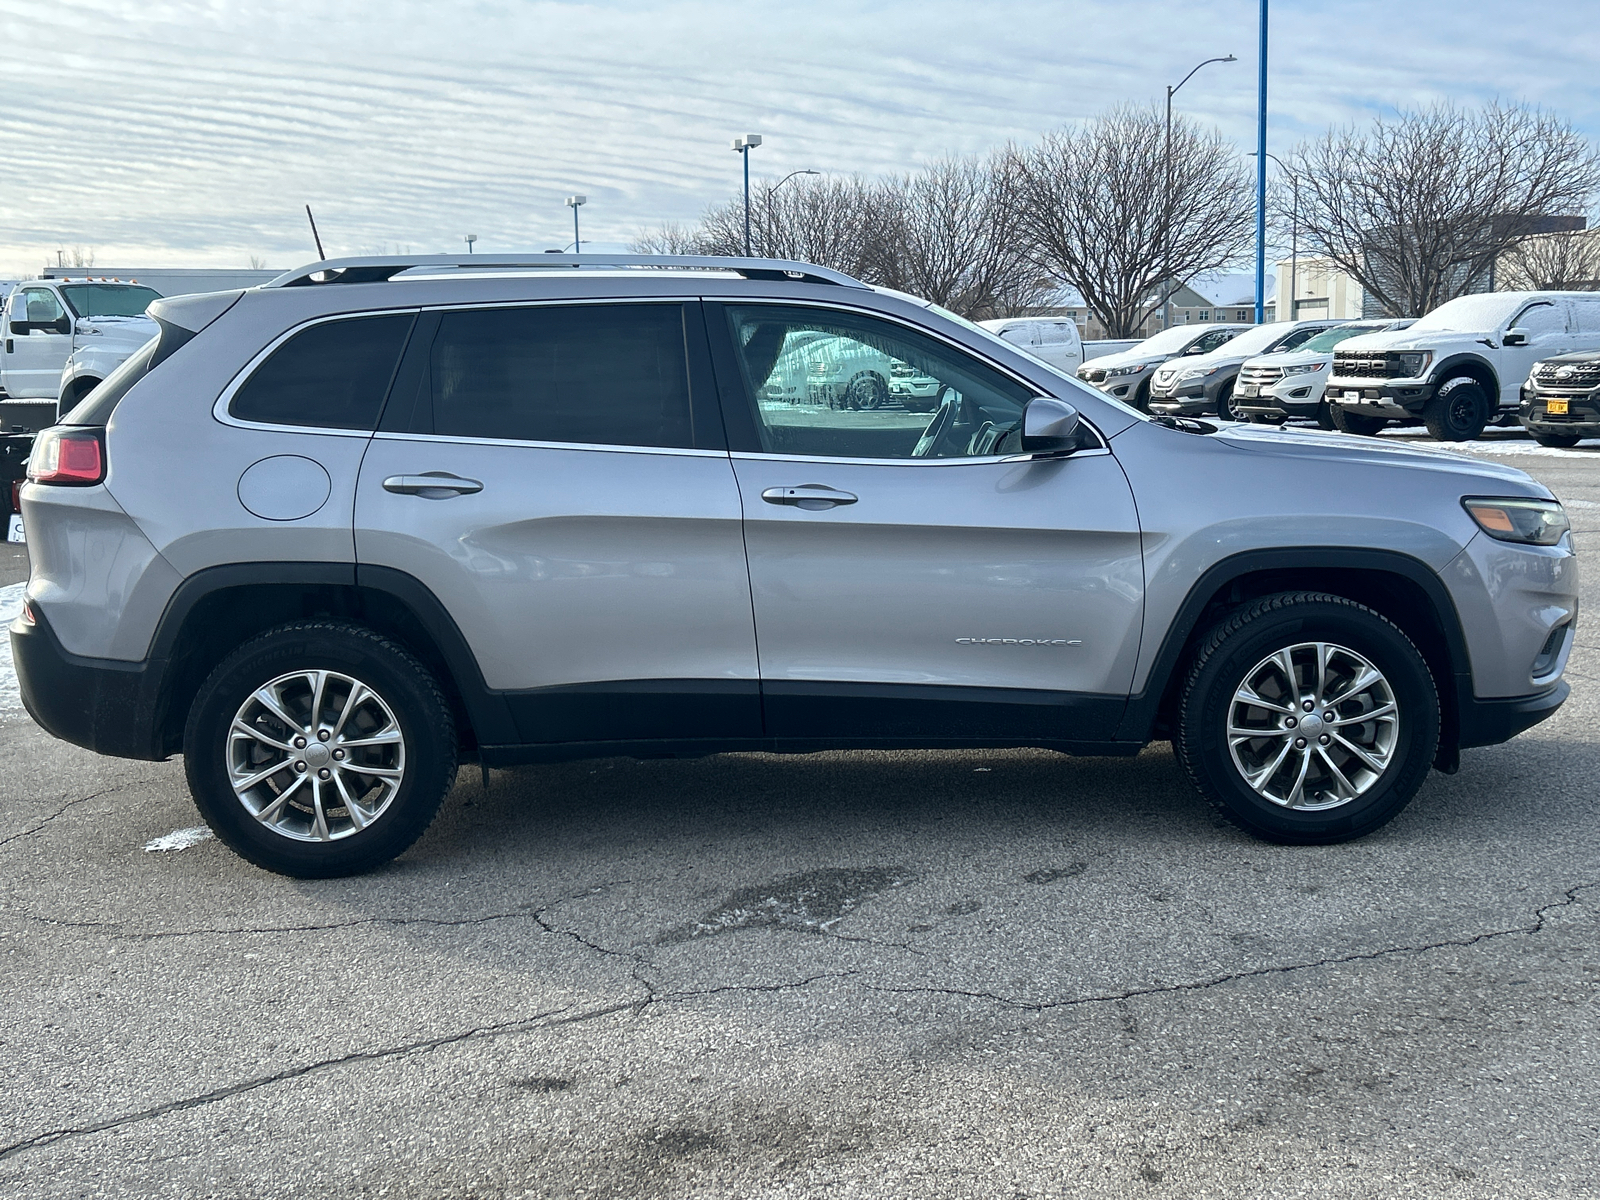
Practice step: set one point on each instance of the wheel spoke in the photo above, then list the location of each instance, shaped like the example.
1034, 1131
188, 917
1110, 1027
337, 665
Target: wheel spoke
270, 702
378, 772
1363, 681
358, 693
1376, 765
1263, 777
1322, 670
357, 817
1285, 663
1295, 793
240, 729
1250, 696
269, 814
388, 737
316, 701
319, 821
240, 786
1383, 711
1348, 789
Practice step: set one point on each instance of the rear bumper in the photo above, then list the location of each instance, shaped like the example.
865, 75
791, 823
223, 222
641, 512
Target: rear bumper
101, 704
1490, 722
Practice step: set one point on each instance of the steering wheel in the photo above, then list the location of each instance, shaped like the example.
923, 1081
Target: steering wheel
943, 418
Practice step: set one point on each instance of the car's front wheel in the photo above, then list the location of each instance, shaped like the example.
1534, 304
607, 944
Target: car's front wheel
1459, 410
1346, 421
1560, 441
1308, 718
319, 749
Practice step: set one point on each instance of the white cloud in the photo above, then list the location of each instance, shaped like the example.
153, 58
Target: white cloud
191, 133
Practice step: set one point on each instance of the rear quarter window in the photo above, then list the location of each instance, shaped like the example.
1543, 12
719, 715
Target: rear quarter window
333, 375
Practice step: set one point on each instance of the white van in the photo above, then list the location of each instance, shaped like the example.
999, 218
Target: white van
1054, 339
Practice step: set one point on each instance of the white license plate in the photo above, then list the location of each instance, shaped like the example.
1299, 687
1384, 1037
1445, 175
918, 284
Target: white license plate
1249, 389
1352, 395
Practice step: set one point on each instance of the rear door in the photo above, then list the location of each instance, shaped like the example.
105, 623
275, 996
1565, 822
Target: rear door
913, 578
547, 473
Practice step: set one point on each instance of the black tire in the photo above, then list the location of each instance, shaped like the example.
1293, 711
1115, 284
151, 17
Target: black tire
1346, 421
1236, 650
1325, 415
1141, 398
406, 695
1225, 405
1560, 441
867, 390
1459, 410
1266, 419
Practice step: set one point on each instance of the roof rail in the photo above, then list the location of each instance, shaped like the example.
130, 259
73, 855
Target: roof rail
382, 268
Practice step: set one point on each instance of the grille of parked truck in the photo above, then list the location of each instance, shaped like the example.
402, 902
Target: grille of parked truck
331, 536
1273, 388
1462, 366
1561, 400
1205, 384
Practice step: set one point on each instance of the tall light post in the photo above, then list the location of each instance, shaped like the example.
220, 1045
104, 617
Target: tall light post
1261, 174
1166, 254
1294, 234
743, 145
575, 203
469, 239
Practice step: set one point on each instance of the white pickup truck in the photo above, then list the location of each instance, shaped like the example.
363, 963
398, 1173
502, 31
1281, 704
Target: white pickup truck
61, 338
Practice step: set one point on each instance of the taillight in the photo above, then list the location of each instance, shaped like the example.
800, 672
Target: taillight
68, 454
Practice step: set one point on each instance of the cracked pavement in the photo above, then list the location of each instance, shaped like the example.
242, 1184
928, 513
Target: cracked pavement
997, 974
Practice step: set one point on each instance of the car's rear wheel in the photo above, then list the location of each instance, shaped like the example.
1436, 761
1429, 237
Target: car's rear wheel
1561, 441
1226, 408
1458, 411
1324, 415
319, 749
1346, 421
1308, 718
868, 390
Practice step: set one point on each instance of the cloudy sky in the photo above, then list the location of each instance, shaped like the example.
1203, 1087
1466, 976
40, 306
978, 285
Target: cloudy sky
190, 133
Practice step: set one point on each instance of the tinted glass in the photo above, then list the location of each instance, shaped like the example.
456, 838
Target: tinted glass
1542, 320
1585, 315
41, 305
1329, 338
96, 408
330, 376
109, 299
603, 374
1217, 337
1298, 338
837, 385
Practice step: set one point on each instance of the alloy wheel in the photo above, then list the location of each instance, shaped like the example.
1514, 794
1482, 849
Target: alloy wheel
315, 755
1313, 726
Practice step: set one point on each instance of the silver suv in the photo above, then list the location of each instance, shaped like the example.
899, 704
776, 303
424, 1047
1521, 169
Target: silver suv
331, 536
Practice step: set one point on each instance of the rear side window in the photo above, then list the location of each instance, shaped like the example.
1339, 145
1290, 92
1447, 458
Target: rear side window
601, 374
1585, 315
334, 375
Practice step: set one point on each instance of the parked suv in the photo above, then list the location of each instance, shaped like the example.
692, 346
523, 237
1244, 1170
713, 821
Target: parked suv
1205, 384
1126, 374
330, 536
1280, 385
1460, 367
1561, 400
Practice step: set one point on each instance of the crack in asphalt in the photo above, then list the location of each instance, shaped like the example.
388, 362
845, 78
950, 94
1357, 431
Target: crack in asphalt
6, 841
564, 1016
1569, 898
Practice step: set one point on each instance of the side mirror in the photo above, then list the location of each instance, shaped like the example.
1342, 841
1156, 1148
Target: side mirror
20, 328
1515, 337
1195, 349
1050, 426
62, 324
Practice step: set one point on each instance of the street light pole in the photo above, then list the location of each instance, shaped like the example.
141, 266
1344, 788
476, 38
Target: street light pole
469, 239
1294, 234
575, 203
1261, 175
744, 145
1166, 253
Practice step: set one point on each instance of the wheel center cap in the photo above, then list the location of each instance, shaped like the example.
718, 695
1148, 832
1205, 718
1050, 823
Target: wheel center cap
1311, 725
318, 755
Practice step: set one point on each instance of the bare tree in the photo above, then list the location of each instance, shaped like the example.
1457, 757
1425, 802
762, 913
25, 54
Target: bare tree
670, 238
1097, 209
1418, 208
1568, 261
257, 263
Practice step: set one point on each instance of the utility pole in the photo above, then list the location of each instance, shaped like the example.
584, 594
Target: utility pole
575, 203
1261, 176
744, 145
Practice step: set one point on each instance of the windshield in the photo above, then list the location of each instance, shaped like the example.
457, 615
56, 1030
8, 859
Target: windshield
1471, 314
109, 299
1329, 338
1168, 341
1254, 340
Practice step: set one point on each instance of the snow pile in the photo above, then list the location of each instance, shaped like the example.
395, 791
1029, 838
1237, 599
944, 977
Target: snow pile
178, 839
10, 608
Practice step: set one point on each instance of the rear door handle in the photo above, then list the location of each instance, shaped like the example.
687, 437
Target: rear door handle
808, 495
431, 485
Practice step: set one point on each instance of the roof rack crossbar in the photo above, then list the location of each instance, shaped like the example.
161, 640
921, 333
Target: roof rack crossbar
382, 268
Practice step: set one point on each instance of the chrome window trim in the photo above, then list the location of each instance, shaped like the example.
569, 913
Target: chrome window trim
434, 439
974, 460
926, 332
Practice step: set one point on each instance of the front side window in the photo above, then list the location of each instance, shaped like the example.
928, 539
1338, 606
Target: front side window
1541, 320
1298, 338
832, 384
594, 374
41, 307
1210, 341
330, 376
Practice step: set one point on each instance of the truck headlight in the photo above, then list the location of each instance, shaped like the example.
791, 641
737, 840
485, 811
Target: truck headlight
1518, 519
1414, 365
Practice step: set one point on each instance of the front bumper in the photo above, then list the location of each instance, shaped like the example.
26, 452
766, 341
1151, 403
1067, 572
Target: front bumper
1295, 396
1490, 722
1381, 397
1120, 386
1186, 397
1582, 416
101, 704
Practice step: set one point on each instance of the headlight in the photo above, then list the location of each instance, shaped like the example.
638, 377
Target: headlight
1199, 372
1516, 519
1414, 365
1303, 369
1113, 372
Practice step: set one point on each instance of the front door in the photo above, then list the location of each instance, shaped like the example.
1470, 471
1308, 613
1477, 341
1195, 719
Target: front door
545, 472
1545, 323
913, 578
34, 359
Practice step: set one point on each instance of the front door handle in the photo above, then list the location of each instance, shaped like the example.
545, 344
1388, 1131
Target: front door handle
431, 485
808, 495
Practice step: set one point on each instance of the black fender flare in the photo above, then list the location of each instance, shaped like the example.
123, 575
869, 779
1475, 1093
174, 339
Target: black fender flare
1453, 675
1451, 366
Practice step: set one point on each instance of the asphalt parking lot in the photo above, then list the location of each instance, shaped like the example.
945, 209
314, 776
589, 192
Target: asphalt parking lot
997, 974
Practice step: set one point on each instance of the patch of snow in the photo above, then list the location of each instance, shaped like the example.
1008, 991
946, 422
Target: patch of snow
10, 609
179, 839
